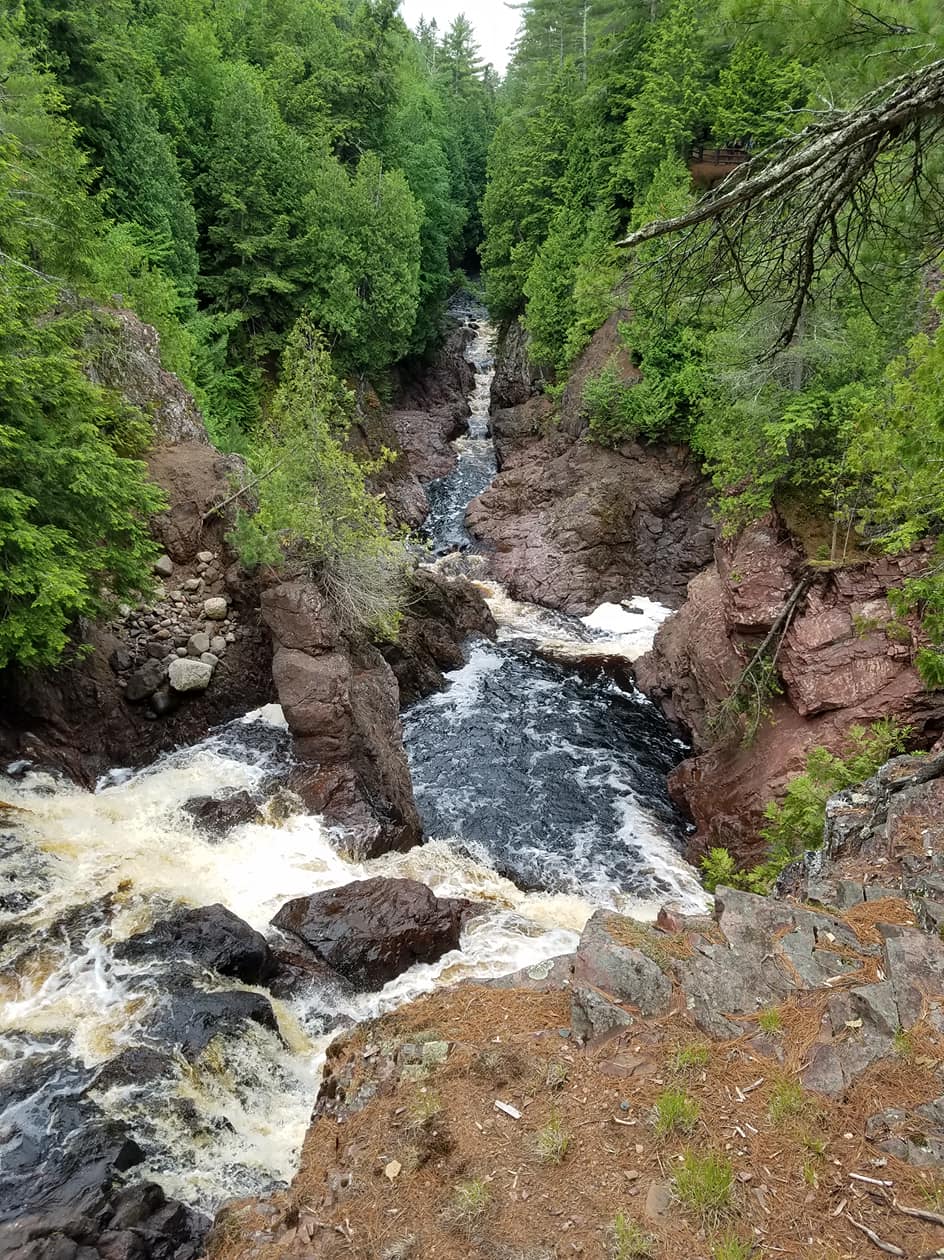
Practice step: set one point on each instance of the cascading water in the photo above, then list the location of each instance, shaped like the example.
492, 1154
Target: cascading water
556, 778
543, 790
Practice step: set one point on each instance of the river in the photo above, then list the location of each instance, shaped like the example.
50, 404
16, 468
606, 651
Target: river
541, 780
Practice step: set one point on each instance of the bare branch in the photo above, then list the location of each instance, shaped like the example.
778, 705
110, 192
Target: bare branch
803, 208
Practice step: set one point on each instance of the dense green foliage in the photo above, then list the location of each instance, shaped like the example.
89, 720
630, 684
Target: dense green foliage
248, 176
312, 499
611, 107
795, 825
73, 497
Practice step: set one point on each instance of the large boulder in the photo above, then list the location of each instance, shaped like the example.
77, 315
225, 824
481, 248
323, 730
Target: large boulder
613, 971
217, 815
573, 525
186, 1017
373, 930
212, 936
341, 701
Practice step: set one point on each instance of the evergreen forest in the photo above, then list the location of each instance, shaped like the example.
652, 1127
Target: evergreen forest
289, 191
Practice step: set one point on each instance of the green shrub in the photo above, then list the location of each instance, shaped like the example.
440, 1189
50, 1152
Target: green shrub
732, 1248
787, 1102
470, 1200
628, 1240
691, 1058
552, 1142
675, 1112
314, 502
770, 1022
795, 825
704, 1184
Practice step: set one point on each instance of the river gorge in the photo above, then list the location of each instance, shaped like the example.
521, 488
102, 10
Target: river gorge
541, 781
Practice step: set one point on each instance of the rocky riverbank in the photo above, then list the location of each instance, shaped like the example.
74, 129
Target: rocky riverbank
569, 523
845, 660
769, 1075
211, 640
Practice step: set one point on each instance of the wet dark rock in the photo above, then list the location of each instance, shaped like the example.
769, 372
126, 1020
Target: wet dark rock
516, 377
136, 1222
134, 1066
188, 1018
212, 936
299, 970
373, 930
145, 681
59, 1153
219, 815
441, 613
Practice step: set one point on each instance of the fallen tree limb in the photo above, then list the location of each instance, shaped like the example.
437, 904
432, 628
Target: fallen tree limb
873, 1238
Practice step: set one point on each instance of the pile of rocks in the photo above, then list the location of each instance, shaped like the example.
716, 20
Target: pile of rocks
173, 644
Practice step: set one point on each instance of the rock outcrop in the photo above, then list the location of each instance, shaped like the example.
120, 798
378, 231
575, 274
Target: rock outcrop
341, 701
440, 614
373, 930
117, 705
845, 660
126, 357
572, 524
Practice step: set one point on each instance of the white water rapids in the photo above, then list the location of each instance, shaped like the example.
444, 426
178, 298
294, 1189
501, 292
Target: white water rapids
80, 871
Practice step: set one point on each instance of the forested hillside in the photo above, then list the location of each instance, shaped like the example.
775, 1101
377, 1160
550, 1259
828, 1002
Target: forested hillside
226, 169
793, 341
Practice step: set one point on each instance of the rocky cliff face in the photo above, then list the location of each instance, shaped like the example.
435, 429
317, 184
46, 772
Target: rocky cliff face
572, 524
119, 704
429, 412
341, 701
845, 660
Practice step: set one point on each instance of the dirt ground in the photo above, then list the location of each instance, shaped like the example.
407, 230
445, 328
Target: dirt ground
429, 1168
